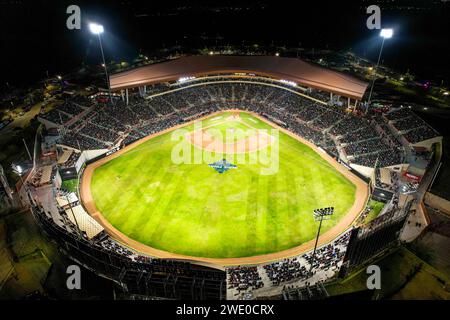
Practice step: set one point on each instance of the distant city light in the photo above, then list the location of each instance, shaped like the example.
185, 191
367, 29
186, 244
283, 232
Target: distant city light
211, 53
96, 28
446, 93
277, 54
425, 108
59, 77
386, 33
103, 65
401, 79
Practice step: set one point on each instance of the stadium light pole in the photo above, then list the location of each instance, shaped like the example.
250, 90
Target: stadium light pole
98, 29
385, 34
319, 215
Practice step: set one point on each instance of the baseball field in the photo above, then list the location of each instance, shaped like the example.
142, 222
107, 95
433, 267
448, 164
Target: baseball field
167, 192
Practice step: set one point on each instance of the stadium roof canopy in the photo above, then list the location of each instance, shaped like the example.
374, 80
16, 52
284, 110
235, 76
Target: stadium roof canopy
290, 69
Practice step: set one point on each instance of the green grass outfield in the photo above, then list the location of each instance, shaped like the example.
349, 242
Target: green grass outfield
70, 185
193, 210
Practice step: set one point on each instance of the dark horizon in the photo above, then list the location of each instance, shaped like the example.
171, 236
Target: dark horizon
36, 40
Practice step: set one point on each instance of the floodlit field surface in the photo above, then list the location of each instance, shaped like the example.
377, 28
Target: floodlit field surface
193, 210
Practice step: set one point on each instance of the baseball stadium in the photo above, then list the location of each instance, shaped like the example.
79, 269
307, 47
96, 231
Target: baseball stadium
193, 212
229, 177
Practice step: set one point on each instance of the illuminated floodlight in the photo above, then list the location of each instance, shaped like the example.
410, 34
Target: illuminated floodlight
289, 83
184, 79
386, 33
96, 28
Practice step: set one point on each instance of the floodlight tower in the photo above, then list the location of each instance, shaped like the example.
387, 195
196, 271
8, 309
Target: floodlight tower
98, 30
320, 215
385, 34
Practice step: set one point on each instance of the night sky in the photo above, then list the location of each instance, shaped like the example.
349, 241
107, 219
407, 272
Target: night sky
34, 37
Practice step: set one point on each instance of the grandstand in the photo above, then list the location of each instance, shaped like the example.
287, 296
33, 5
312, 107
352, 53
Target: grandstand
327, 126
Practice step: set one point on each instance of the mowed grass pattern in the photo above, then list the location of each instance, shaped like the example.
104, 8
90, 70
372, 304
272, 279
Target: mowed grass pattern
193, 210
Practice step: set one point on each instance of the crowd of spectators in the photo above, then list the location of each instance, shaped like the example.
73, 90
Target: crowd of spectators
286, 270
82, 142
365, 133
243, 278
329, 256
71, 161
412, 127
109, 244
327, 120
384, 158
365, 147
365, 140
66, 111
326, 258
420, 134
408, 123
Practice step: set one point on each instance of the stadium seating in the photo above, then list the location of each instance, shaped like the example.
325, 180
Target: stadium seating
364, 140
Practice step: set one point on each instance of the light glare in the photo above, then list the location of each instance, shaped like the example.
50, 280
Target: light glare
96, 28
386, 33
